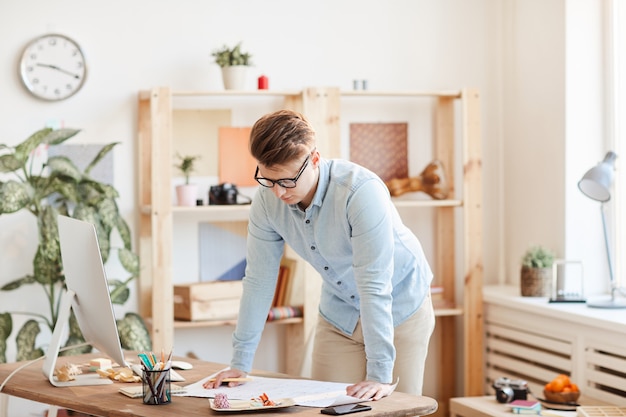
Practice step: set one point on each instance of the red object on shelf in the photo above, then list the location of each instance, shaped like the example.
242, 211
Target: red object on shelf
263, 82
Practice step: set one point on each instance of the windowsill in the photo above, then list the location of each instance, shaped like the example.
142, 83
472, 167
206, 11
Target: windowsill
613, 320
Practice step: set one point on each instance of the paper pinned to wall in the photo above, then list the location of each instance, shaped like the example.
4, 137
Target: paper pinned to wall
236, 165
381, 148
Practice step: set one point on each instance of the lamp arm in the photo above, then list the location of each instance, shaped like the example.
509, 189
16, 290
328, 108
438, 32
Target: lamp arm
608, 248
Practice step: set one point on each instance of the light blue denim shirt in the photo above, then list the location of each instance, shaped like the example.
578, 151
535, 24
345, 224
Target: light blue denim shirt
372, 266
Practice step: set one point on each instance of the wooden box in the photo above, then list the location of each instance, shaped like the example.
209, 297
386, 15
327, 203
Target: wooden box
214, 300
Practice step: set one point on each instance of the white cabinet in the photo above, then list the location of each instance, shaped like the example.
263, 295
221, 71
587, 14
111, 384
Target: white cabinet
532, 339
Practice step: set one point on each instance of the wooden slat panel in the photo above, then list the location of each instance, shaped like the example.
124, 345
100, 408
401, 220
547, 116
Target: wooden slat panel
527, 355
529, 338
594, 357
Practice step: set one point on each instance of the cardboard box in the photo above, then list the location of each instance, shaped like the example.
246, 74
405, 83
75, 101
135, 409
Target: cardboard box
214, 300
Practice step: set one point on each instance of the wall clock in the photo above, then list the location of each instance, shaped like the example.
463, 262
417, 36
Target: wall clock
53, 67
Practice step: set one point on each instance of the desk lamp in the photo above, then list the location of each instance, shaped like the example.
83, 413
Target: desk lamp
596, 184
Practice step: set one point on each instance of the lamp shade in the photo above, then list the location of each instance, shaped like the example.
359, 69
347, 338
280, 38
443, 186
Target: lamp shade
596, 183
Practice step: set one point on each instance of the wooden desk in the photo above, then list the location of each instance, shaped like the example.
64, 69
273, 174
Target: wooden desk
106, 401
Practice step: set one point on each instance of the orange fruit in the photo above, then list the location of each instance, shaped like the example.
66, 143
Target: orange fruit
564, 378
557, 385
574, 387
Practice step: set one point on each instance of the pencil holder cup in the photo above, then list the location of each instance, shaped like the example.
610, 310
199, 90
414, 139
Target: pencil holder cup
156, 387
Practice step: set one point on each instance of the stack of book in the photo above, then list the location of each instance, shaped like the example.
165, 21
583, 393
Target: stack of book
525, 407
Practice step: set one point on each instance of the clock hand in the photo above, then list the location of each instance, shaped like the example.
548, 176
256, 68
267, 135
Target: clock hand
54, 67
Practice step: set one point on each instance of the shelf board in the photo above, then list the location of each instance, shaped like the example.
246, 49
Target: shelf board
178, 324
448, 311
426, 203
237, 93
408, 93
232, 213
219, 323
241, 212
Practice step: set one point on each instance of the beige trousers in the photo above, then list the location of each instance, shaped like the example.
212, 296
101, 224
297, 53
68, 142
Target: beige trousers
341, 358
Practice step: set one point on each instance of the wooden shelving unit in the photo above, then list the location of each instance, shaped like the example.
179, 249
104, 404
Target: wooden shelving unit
322, 107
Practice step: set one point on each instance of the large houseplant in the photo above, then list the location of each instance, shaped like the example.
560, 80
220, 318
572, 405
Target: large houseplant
234, 64
47, 189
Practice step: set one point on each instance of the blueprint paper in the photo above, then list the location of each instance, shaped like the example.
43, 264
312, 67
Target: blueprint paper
304, 392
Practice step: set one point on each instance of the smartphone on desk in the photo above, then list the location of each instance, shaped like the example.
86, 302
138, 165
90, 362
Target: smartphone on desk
345, 409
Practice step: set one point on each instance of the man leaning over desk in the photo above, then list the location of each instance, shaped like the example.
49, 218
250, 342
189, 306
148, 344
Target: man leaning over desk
375, 314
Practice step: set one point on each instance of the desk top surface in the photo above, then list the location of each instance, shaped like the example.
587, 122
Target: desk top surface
106, 401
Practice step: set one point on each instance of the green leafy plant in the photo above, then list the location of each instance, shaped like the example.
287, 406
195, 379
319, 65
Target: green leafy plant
538, 257
186, 165
228, 57
47, 189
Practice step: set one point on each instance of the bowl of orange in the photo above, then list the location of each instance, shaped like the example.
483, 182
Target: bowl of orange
561, 390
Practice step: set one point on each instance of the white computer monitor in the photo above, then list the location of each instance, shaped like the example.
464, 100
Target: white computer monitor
88, 295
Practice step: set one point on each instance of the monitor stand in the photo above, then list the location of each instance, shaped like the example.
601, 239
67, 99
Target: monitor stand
55, 345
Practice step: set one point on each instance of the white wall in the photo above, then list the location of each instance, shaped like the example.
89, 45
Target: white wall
513, 51
553, 132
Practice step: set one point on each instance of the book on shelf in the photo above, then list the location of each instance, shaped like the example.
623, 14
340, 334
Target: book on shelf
283, 294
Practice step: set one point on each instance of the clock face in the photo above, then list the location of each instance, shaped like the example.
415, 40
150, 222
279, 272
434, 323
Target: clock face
53, 67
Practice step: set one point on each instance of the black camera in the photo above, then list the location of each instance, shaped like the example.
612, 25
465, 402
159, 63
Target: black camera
508, 390
225, 194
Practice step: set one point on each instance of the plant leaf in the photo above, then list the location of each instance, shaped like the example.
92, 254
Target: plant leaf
10, 163
24, 149
47, 262
133, 333
120, 292
129, 260
64, 167
14, 196
13, 285
25, 341
59, 136
6, 327
105, 150
124, 231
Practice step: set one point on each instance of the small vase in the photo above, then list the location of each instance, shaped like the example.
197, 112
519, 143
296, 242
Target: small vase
187, 194
536, 282
234, 77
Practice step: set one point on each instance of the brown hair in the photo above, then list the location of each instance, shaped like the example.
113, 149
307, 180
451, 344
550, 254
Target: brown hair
280, 137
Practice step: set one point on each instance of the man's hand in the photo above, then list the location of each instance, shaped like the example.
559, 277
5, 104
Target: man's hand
230, 373
370, 390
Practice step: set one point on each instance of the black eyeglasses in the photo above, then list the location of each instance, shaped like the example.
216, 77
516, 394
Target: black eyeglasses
283, 182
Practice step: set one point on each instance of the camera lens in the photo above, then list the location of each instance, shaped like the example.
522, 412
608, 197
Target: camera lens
505, 395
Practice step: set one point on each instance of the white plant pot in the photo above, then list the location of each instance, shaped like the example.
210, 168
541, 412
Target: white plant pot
234, 77
187, 194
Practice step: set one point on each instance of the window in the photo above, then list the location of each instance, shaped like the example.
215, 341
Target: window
616, 125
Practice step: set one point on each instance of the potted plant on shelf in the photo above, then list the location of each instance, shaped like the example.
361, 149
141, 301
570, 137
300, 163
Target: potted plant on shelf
536, 273
234, 64
186, 193
46, 189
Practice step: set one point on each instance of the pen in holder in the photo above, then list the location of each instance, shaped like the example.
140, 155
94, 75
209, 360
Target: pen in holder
156, 386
